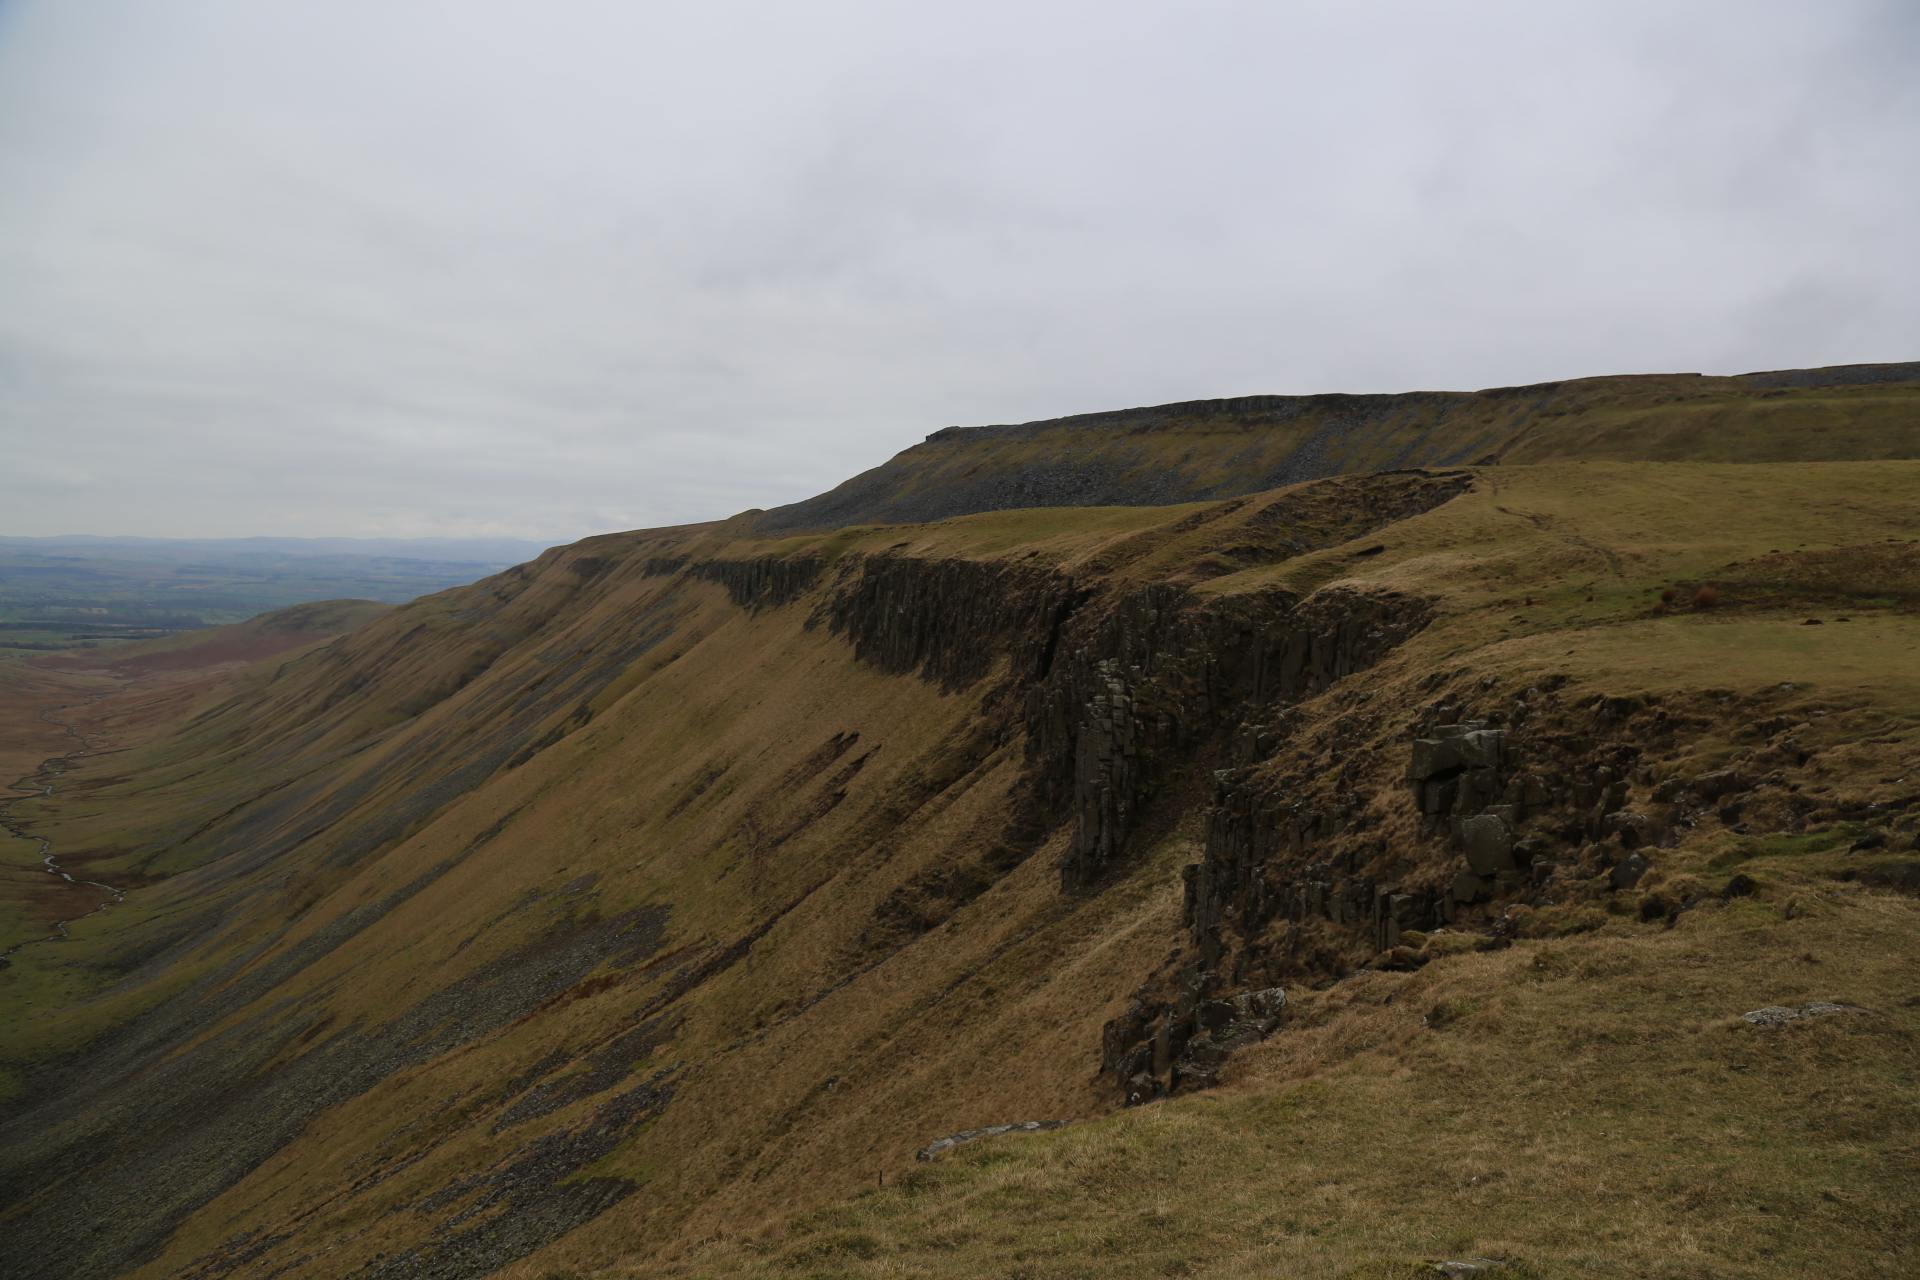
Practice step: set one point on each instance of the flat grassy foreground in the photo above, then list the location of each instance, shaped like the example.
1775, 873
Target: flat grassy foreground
1588, 1107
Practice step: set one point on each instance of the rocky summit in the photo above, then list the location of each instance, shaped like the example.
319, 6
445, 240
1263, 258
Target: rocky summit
1332, 836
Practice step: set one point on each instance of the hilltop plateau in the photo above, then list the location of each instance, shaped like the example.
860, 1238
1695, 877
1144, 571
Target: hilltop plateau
1373, 861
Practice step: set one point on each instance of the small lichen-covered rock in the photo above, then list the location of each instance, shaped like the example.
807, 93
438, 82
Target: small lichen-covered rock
935, 1147
1269, 1004
1775, 1015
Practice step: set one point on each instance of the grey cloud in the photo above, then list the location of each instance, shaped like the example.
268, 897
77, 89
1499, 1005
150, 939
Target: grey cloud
486, 267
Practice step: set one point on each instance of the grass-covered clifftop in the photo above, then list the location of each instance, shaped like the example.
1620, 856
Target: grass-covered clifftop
645, 909
1209, 449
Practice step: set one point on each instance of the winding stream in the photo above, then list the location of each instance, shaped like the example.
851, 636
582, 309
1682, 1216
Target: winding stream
40, 782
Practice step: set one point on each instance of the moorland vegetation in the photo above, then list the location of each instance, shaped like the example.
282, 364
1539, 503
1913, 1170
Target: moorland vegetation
1498, 845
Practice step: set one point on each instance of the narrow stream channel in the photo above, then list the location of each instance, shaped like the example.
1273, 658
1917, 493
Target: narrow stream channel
33, 783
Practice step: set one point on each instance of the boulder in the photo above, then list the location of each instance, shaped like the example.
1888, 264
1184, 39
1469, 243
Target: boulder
1627, 872
1213, 1015
1726, 782
1488, 843
1269, 1004
1432, 756
1483, 748
938, 1145
1469, 888
1507, 813
1901, 878
1633, 830
1204, 1058
1772, 1015
1142, 1089
1775, 1015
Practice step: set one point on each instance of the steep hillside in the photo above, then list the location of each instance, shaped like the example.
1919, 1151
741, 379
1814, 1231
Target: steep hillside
1371, 868
151, 683
1208, 449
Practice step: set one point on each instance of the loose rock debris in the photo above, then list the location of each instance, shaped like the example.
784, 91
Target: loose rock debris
1775, 1015
935, 1147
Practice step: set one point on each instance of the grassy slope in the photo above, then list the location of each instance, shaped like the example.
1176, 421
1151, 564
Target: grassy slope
696, 748
152, 682
1214, 449
1587, 1107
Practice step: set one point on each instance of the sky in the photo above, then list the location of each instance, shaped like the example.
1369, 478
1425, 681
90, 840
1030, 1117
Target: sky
547, 268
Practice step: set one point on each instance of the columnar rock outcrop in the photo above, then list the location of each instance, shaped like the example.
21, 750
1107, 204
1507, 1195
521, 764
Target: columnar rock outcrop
1162, 670
949, 620
762, 582
1532, 806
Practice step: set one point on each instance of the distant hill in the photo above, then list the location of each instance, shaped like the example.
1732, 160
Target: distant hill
78, 590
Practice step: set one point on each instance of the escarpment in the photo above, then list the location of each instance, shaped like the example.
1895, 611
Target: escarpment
1162, 675
687, 878
1204, 450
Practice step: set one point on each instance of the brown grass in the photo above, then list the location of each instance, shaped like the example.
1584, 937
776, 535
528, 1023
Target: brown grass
1662, 1163
1590, 1107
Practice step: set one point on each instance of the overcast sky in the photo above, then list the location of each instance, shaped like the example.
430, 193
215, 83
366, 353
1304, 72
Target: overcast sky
544, 268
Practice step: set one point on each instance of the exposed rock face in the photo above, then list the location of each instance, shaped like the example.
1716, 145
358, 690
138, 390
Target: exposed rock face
1511, 817
763, 582
1162, 671
949, 621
